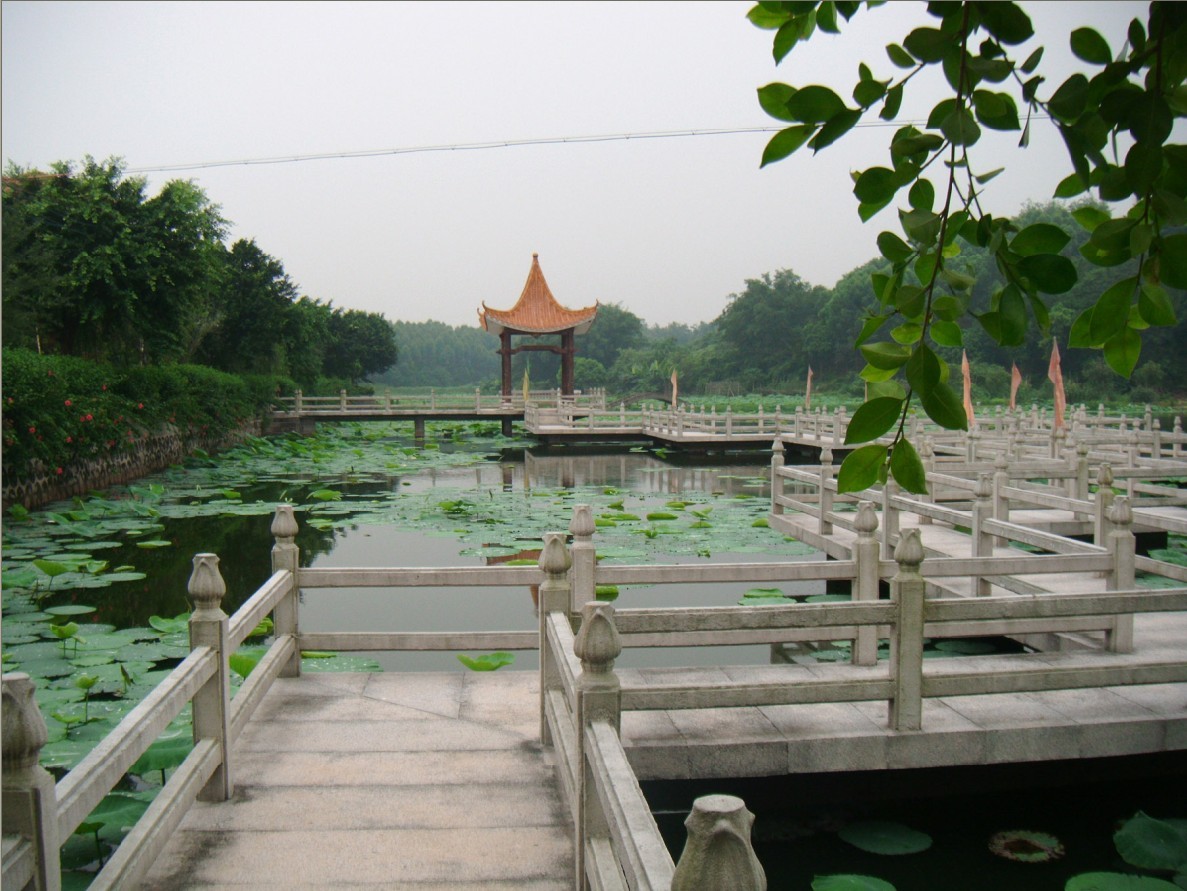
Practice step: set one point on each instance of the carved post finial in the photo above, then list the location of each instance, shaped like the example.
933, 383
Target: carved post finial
24, 730
284, 524
908, 553
866, 522
718, 855
554, 558
206, 584
597, 644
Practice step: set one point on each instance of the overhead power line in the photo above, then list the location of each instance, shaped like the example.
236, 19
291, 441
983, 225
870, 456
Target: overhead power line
475, 146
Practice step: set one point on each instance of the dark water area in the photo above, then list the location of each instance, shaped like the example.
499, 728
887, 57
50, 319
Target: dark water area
1081, 803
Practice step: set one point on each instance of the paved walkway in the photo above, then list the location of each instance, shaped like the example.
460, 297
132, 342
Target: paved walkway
394, 781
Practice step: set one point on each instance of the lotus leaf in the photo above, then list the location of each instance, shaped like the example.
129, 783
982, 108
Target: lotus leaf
1150, 843
885, 837
487, 662
1116, 881
850, 883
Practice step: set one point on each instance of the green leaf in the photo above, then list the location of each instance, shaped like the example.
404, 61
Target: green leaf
1111, 311
1090, 216
850, 882
785, 142
960, 127
1122, 351
927, 44
892, 247
885, 837
946, 333
907, 333
923, 369
922, 195
1155, 306
1172, 260
878, 184
860, 468
773, 99
1039, 238
487, 662
907, 468
884, 355
942, 406
834, 128
814, 104
326, 495
1143, 165
899, 56
1070, 99
1006, 21
1116, 881
867, 92
872, 419
52, 568
1070, 186
1088, 45
1150, 843
1049, 273
894, 100
1080, 334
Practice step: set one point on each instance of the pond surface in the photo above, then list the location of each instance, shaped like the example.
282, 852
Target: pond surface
116, 563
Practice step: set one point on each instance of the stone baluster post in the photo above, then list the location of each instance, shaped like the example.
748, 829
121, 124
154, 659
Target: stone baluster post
717, 854
906, 641
1156, 440
729, 421
433, 399
1148, 417
212, 702
1103, 504
866, 552
1121, 544
776, 480
890, 517
1177, 445
554, 597
477, 398
1001, 501
599, 698
680, 422
761, 418
622, 414
927, 453
1080, 485
298, 401
286, 556
825, 527
970, 445
29, 802
585, 558
982, 540
778, 419
799, 420
341, 400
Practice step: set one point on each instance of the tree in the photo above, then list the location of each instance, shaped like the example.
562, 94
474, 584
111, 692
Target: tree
360, 344
615, 329
1115, 122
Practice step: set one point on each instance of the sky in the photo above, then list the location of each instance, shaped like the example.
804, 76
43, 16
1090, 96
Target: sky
667, 227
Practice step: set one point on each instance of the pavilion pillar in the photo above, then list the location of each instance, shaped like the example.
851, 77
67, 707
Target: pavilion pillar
505, 353
568, 348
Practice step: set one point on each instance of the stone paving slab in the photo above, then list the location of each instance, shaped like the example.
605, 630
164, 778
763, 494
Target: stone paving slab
419, 781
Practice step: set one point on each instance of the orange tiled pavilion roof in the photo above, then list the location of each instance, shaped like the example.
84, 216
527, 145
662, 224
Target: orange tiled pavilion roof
536, 311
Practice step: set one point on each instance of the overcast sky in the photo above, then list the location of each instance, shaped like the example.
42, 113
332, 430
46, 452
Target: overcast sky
667, 227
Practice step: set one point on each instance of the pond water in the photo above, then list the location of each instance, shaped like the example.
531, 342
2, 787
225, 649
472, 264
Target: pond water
117, 563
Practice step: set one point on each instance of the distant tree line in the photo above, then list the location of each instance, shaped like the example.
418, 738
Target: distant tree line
768, 335
96, 268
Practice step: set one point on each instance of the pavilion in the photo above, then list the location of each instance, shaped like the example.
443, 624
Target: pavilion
537, 314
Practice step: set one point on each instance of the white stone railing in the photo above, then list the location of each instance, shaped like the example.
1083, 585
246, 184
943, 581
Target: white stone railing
616, 841
430, 401
45, 814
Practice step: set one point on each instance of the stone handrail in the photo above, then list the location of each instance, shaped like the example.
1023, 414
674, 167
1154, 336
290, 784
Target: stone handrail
300, 404
616, 841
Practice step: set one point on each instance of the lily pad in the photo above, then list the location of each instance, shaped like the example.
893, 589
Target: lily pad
487, 662
885, 837
1116, 881
1149, 843
850, 883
